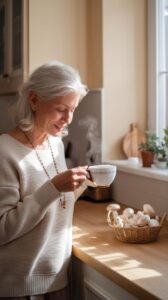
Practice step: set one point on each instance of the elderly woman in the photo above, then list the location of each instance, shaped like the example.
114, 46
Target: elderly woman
37, 192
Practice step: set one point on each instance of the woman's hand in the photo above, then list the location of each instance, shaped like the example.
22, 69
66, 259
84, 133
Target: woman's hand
70, 180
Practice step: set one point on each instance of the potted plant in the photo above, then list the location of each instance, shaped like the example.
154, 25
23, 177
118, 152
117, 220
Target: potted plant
165, 139
149, 148
162, 152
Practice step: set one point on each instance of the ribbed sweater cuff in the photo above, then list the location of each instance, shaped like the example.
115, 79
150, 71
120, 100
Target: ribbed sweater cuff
33, 285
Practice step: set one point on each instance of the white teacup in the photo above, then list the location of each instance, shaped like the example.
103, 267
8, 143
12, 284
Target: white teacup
102, 175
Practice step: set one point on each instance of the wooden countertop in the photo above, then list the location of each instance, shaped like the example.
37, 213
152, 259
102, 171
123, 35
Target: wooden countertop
141, 269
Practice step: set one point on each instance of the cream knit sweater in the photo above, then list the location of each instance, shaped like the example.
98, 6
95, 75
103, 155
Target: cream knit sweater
35, 231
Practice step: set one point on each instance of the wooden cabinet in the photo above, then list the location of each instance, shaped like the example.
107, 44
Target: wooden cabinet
88, 284
13, 24
2, 36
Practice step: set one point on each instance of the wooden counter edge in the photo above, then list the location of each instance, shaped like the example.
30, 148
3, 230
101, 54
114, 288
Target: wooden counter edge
121, 281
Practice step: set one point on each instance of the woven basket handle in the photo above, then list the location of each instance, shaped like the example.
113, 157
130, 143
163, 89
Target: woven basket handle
110, 218
163, 218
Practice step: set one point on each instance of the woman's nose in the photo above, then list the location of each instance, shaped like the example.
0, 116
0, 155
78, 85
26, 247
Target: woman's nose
68, 117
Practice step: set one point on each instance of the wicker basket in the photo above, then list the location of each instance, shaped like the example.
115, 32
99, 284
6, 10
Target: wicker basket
136, 235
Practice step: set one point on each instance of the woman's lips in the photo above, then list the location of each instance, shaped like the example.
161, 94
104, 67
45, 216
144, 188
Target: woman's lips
59, 128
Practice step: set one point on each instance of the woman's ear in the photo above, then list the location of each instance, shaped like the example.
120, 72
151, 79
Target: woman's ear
33, 100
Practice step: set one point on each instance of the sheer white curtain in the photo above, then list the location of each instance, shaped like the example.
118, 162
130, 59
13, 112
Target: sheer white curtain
158, 65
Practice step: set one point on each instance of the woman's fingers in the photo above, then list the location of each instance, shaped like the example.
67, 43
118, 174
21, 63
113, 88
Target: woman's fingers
70, 179
77, 176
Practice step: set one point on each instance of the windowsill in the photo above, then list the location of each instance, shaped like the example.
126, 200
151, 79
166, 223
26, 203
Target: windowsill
155, 173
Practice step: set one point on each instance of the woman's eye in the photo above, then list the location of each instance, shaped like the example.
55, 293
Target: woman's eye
64, 110
60, 109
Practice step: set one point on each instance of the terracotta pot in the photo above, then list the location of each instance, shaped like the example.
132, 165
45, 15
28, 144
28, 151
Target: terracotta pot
147, 158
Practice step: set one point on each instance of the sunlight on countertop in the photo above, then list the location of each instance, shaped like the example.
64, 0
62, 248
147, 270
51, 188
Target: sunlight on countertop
118, 261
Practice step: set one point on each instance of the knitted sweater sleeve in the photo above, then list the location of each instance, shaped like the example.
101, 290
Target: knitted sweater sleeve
19, 216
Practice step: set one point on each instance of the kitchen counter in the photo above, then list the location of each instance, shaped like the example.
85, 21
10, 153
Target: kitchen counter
141, 269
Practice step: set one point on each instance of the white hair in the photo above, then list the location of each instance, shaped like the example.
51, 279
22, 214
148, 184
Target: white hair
47, 81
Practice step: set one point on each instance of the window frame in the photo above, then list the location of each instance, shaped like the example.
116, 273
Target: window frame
157, 118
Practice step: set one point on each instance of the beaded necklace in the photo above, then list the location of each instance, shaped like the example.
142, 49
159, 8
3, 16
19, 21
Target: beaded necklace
62, 199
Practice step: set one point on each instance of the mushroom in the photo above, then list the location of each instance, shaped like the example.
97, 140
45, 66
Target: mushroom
153, 223
135, 219
118, 222
129, 221
124, 218
148, 210
143, 221
139, 214
132, 222
128, 212
113, 208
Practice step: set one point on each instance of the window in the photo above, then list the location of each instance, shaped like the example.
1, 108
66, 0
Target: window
158, 65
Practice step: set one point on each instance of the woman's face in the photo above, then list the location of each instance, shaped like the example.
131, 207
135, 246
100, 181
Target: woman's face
53, 115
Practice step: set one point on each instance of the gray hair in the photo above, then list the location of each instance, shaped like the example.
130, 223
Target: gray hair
47, 81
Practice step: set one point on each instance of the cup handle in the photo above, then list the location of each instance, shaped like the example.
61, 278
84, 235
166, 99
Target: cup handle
89, 179
89, 176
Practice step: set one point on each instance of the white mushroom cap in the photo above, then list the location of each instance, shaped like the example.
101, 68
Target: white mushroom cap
129, 212
118, 222
153, 223
143, 221
149, 210
113, 207
140, 214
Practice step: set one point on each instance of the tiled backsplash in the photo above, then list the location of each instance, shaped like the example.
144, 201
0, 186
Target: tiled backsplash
83, 144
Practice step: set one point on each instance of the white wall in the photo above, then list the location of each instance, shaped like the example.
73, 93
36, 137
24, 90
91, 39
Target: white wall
57, 30
135, 190
124, 71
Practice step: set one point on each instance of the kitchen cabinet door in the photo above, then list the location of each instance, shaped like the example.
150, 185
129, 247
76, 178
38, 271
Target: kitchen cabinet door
2, 36
12, 36
89, 284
